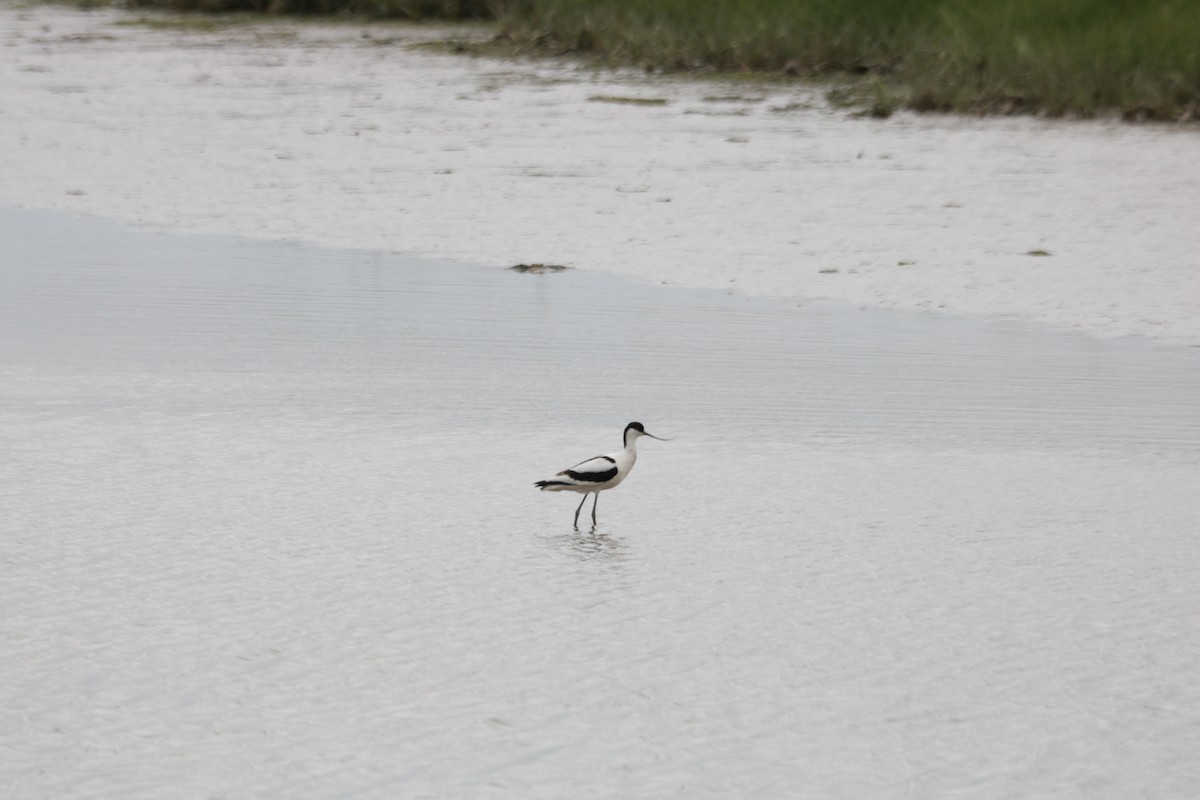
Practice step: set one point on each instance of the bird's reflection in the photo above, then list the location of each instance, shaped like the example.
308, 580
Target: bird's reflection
599, 546
592, 545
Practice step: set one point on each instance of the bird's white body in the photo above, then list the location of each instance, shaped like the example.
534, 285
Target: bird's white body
600, 473
595, 474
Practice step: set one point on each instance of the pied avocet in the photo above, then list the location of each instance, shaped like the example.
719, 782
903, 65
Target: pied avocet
597, 474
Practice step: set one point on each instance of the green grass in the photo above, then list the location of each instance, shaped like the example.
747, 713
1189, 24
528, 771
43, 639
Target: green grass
1066, 57
728, 34
1078, 57
1140, 58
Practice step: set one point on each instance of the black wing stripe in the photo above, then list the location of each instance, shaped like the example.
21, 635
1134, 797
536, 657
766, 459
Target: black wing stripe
592, 477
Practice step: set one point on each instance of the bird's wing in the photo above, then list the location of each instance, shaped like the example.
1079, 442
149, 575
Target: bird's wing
594, 470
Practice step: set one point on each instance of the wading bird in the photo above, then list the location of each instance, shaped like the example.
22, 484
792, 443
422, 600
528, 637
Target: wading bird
597, 474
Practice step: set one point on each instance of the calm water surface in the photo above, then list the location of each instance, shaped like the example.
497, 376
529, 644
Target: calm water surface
269, 531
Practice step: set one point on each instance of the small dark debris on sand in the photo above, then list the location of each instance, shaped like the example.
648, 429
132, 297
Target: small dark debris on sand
629, 101
538, 269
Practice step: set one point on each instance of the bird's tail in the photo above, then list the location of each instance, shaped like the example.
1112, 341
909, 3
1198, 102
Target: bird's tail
552, 486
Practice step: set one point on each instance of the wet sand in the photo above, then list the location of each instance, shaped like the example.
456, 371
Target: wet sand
345, 135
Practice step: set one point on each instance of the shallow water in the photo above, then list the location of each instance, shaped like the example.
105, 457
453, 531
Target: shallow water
269, 530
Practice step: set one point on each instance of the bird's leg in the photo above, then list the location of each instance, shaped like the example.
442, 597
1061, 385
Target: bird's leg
581, 502
595, 500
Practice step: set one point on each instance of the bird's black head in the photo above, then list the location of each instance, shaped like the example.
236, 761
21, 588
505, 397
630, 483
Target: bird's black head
635, 429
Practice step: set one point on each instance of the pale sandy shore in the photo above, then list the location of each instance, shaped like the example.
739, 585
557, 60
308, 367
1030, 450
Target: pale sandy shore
349, 136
